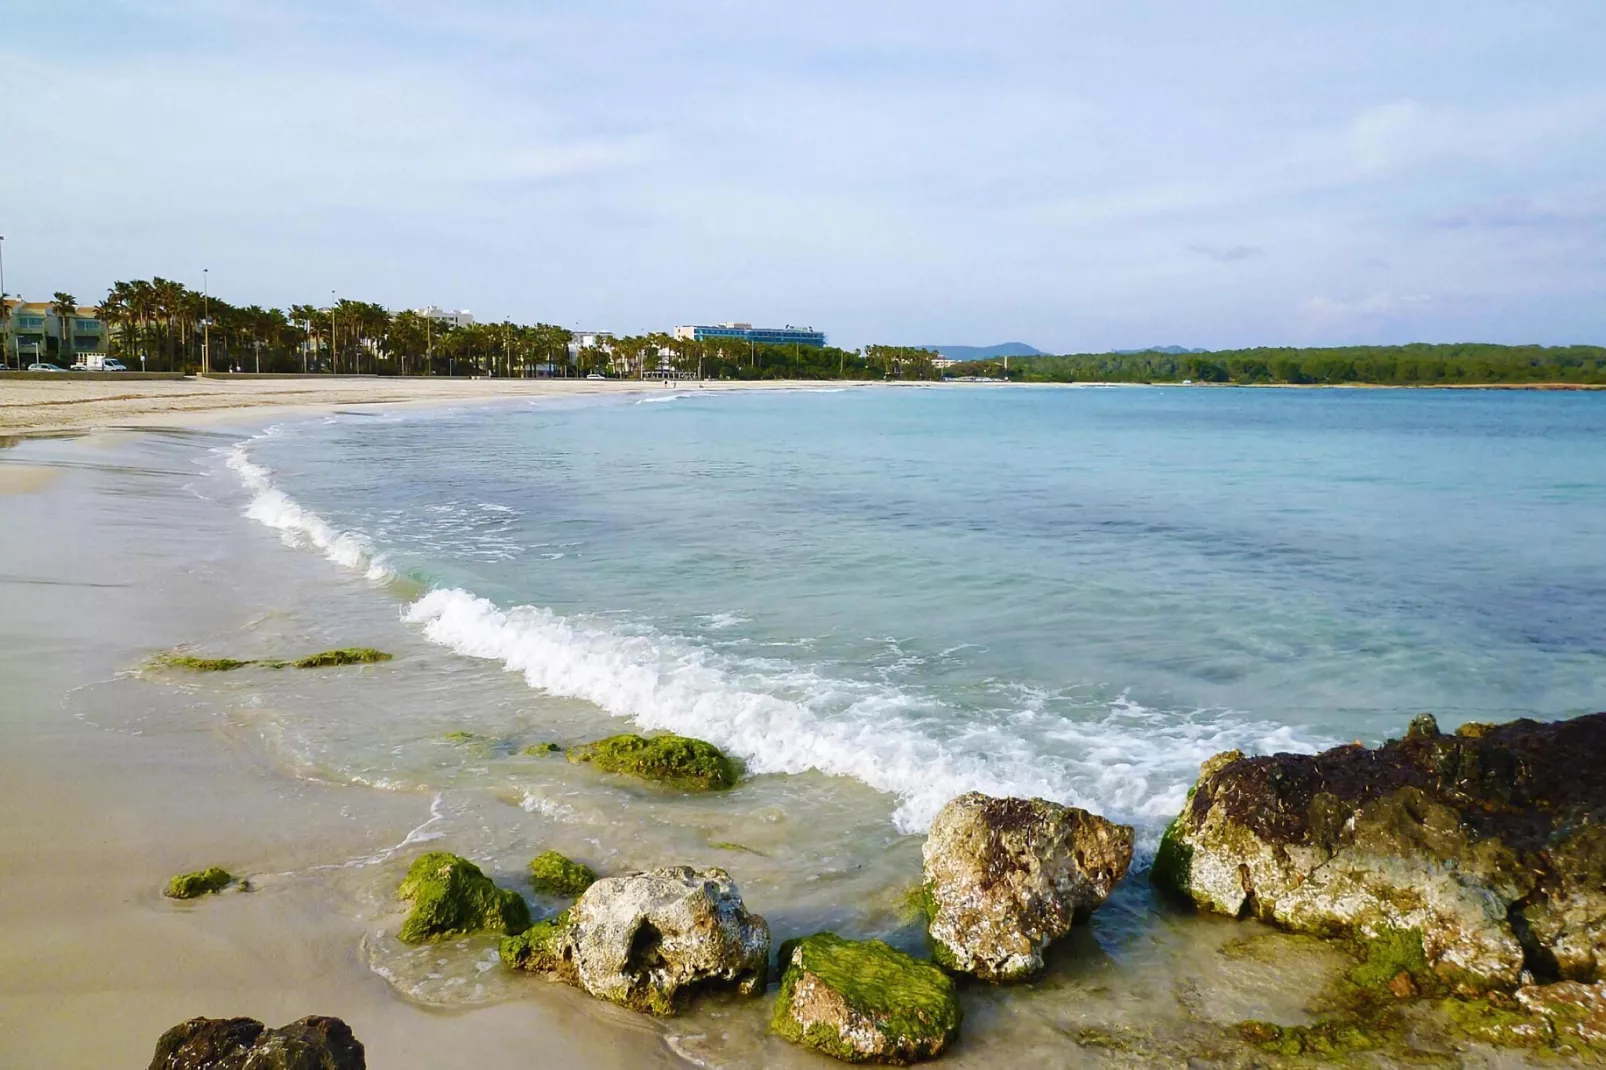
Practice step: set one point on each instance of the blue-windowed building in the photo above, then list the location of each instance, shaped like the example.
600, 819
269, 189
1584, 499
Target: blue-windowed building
746, 332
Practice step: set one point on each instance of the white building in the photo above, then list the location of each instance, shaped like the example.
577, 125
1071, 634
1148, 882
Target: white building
456, 317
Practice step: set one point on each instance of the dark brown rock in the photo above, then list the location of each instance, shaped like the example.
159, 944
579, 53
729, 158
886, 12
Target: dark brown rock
1490, 844
312, 1043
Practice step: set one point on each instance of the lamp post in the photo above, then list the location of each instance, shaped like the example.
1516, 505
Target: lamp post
333, 368
5, 317
206, 321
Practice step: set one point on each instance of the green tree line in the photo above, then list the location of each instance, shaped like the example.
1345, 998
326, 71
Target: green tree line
1418, 364
163, 325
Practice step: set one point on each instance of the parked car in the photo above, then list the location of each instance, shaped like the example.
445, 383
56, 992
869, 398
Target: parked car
45, 368
594, 375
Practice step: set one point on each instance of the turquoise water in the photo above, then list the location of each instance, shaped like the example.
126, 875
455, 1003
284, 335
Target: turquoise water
1074, 593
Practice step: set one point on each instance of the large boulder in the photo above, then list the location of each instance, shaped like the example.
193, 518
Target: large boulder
1004, 878
451, 897
862, 1001
1486, 846
313, 1043
644, 940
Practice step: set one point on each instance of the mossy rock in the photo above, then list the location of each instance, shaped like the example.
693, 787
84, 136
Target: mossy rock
541, 750
1322, 1039
553, 874
1395, 961
451, 897
679, 761
351, 655
539, 948
202, 882
863, 1001
1172, 862
191, 663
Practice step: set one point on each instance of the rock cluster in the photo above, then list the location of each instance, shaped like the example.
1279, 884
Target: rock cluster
644, 940
450, 897
862, 1001
313, 1043
1006, 877
1488, 846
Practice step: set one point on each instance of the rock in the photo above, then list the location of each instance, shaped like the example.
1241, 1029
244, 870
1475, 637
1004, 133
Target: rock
541, 750
643, 940
679, 761
553, 874
203, 882
1575, 1010
862, 1001
451, 897
1487, 846
351, 655
313, 1043
1004, 878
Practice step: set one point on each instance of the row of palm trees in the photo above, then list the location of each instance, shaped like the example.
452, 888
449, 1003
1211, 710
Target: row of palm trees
167, 326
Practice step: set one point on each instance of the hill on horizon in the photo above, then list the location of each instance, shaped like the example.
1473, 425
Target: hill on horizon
1003, 349
1174, 351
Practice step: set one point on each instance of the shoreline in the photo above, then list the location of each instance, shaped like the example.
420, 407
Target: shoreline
41, 408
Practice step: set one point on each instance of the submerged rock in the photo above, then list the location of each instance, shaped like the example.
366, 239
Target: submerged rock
553, 874
862, 1001
351, 655
202, 882
1006, 877
679, 761
450, 897
312, 1043
1486, 847
643, 940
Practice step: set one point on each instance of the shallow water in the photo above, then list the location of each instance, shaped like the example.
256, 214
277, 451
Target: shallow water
879, 599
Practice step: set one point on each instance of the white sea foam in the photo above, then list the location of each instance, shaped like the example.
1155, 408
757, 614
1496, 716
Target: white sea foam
299, 526
1132, 764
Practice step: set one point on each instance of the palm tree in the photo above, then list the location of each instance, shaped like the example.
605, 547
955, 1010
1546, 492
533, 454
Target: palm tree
64, 306
5, 333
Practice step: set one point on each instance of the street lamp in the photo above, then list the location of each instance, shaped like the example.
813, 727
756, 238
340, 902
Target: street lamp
206, 321
332, 367
5, 318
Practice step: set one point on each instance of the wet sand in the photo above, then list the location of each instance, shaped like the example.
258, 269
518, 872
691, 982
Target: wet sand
100, 803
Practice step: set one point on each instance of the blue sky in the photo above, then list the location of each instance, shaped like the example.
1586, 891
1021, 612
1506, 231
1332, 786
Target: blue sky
1074, 175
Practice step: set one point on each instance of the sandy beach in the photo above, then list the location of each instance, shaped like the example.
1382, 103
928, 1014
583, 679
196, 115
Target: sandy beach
68, 405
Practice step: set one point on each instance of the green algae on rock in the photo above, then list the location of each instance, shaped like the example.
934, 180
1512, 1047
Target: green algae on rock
451, 897
553, 874
863, 1001
539, 949
202, 882
191, 663
679, 761
356, 655
1487, 844
351, 655
1322, 1039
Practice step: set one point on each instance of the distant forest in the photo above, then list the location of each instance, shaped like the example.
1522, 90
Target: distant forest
1408, 365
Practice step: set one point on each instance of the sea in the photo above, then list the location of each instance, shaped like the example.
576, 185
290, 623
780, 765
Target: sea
880, 598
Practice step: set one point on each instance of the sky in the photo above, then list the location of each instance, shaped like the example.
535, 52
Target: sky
1078, 176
